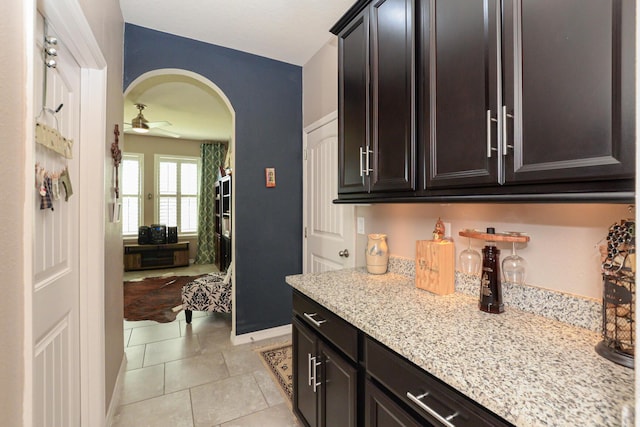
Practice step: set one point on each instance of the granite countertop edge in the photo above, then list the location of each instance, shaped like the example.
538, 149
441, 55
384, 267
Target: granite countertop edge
528, 369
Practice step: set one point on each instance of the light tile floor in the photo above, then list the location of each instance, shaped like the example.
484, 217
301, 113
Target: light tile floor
181, 375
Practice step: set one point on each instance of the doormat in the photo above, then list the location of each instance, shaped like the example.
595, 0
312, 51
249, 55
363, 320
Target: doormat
153, 298
278, 360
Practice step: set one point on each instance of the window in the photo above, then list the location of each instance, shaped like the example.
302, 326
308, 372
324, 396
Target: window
177, 182
131, 192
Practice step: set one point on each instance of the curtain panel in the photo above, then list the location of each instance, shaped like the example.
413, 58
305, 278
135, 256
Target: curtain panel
212, 158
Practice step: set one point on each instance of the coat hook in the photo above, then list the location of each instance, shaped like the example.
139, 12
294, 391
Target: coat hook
59, 108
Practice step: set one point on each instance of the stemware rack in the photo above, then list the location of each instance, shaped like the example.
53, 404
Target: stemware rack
497, 237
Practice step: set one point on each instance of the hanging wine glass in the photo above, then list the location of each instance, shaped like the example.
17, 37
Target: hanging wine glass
470, 260
514, 267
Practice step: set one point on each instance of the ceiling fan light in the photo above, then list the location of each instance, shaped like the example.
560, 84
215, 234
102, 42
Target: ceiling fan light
138, 125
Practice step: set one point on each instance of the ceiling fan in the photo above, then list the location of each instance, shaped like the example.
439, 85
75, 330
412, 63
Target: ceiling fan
140, 124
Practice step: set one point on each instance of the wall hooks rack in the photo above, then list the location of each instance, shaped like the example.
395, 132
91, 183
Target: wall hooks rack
45, 135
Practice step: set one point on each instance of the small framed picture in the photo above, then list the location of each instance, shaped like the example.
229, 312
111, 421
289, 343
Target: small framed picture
270, 177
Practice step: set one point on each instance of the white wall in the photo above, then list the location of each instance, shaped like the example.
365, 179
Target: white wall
320, 84
13, 175
562, 254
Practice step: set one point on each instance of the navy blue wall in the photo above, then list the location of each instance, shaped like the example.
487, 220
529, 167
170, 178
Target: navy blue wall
267, 98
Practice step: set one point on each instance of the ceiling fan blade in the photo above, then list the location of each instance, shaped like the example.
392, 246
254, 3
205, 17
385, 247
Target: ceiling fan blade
160, 131
158, 124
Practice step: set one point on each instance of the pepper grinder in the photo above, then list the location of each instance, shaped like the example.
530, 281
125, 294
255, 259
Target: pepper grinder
490, 285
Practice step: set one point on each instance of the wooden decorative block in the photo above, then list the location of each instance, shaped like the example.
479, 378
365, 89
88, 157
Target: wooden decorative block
435, 266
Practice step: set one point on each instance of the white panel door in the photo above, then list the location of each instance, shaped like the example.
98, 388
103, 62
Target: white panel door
56, 364
329, 228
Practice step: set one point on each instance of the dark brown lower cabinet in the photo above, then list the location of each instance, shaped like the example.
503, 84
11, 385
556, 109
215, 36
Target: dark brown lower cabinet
382, 411
325, 382
305, 398
433, 402
344, 378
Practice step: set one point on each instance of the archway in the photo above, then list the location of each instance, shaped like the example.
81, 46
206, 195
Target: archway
186, 110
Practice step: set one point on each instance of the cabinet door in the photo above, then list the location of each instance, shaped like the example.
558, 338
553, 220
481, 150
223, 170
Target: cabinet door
381, 411
569, 85
353, 104
459, 92
338, 386
392, 82
305, 402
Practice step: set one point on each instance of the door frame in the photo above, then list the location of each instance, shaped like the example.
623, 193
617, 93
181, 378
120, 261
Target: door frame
73, 28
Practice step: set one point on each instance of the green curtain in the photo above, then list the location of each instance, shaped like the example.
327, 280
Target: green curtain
212, 157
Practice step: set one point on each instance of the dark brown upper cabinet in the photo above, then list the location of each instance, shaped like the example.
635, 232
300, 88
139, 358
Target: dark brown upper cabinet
527, 91
376, 99
568, 104
459, 92
515, 100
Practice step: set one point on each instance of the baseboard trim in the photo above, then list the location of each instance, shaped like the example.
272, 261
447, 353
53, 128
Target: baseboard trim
115, 396
261, 335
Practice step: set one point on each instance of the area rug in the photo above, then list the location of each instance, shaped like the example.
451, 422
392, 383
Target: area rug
278, 359
153, 298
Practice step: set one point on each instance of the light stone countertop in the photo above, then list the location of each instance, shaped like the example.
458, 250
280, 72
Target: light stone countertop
530, 370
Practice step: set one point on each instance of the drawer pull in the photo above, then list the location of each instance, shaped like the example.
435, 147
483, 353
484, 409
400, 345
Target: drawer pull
430, 411
318, 323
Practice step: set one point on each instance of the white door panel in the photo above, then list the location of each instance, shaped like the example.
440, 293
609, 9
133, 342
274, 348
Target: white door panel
56, 364
329, 227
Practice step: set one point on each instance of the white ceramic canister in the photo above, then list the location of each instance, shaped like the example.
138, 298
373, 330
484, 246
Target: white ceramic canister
377, 254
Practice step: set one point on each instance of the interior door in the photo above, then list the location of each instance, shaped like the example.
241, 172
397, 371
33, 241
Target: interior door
329, 228
56, 364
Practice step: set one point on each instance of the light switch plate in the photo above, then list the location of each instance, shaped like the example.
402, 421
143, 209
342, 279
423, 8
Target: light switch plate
360, 223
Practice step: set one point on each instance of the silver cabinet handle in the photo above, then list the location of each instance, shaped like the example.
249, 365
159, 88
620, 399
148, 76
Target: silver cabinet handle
504, 130
315, 365
489, 147
444, 420
309, 316
344, 253
368, 161
366, 168
309, 375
